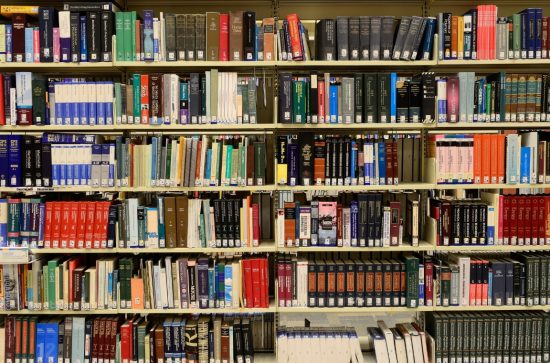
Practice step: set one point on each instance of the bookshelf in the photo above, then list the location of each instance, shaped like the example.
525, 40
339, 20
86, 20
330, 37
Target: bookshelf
271, 127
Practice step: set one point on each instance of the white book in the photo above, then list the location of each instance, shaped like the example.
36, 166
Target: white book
162, 38
388, 335
163, 287
408, 342
211, 100
169, 289
416, 343
400, 350
346, 223
379, 344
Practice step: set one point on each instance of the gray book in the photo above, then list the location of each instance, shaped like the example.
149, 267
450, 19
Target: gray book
187, 166
348, 97
193, 158
244, 91
170, 34
252, 100
375, 29
364, 37
180, 36
342, 37
386, 37
414, 28
502, 38
401, 34
190, 53
354, 38
462, 102
418, 40
200, 36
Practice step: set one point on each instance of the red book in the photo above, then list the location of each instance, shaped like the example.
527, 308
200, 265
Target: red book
90, 219
264, 301
105, 223
485, 282
281, 283
295, 39
126, 341
81, 225
101, 339
544, 37
114, 331
528, 221
321, 101
98, 225
288, 283
56, 224
255, 266
542, 221
428, 283
452, 98
395, 216
18, 37
473, 281
506, 211
48, 225
247, 273
73, 223
65, 220
512, 221
95, 339
73, 264
520, 220
36, 45
107, 341
339, 225
395, 159
389, 163
256, 228
144, 92
2, 116
224, 37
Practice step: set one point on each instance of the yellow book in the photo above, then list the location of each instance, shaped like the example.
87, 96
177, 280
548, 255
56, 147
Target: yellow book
8, 10
2, 43
282, 166
460, 37
180, 159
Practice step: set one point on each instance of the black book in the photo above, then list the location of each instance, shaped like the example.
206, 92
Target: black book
362, 234
342, 37
402, 101
335, 158
378, 283
237, 222
415, 99
358, 102
457, 224
329, 160
386, 37
410, 39
354, 38
369, 283
384, 85
195, 98
428, 97
400, 38
106, 39
346, 160
170, 36
285, 98
75, 37
37, 150
224, 220
377, 200
200, 37
230, 222
340, 283
47, 20
447, 20
306, 158
312, 284
418, 40
370, 98
364, 37
39, 87
340, 161
331, 277
180, 36
218, 222
387, 289
93, 33
351, 288
325, 46
248, 343
82, 7
189, 37
111, 225
238, 349
313, 98
28, 160
46, 163
249, 35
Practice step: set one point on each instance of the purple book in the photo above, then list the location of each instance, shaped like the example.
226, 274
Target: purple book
293, 152
65, 35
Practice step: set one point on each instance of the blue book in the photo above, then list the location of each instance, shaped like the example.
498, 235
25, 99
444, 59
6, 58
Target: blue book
161, 224
228, 284
393, 97
220, 283
530, 29
538, 33
428, 41
381, 163
51, 340
212, 286
208, 166
4, 223
421, 284
14, 159
524, 34
83, 39
353, 161
108, 103
9, 52
40, 351
92, 109
29, 51
354, 222
512, 154
41, 221
100, 116
4, 160
333, 103
82, 107
442, 102
148, 46
525, 163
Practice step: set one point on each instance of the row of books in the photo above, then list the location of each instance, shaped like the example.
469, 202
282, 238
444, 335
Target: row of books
358, 38
63, 160
410, 280
312, 159
510, 158
511, 336
190, 338
125, 283
81, 32
481, 33
151, 99
158, 221
330, 344
361, 220
404, 342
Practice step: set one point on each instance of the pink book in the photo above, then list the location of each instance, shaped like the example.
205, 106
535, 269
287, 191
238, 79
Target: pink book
500, 232
56, 46
452, 99
36, 45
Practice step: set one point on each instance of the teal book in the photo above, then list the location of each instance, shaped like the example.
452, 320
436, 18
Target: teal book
228, 285
137, 97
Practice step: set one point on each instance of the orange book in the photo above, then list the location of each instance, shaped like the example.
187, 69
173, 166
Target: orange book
290, 223
501, 158
485, 159
460, 35
319, 162
268, 25
25, 337
494, 159
144, 92
295, 40
137, 293
454, 37
477, 158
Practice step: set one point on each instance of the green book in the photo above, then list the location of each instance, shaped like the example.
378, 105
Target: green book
299, 101
221, 284
202, 231
45, 284
244, 93
133, 18
235, 163
119, 30
228, 163
52, 266
259, 163
242, 161
516, 31
488, 109
137, 97
411, 275
127, 37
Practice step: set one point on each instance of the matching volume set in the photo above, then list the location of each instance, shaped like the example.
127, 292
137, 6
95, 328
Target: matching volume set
227, 228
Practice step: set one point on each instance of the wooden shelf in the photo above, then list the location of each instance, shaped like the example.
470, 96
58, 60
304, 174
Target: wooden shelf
87, 189
423, 246
60, 312
196, 64
264, 247
356, 188
271, 309
143, 128
96, 66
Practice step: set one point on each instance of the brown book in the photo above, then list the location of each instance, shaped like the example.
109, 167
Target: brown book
107, 340
138, 39
155, 92
95, 339
114, 330
78, 274
454, 37
24, 338
268, 25
18, 37
18, 336
181, 218
32, 339
170, 221
159, 344
236, 36
212, 36
225, 341
130, 101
